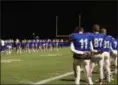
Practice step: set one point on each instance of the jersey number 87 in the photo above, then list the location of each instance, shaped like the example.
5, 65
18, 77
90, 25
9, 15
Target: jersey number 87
98, 42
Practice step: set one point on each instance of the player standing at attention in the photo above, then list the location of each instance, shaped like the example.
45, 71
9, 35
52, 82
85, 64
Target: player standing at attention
12, 41
43, 45
81, 47
40, 45
23, 45
28, 46
12, 46
98, 45
106, 53
53, 44
33, 45
0, 46
61, 43
46, 44
18, 46
50, 45
9, 46
2, 43
36, 45
114, 51
57, 44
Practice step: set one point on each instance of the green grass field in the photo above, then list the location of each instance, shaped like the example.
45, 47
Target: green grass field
36, 66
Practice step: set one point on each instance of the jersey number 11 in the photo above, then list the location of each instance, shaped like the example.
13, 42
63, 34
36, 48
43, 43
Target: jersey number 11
84, 43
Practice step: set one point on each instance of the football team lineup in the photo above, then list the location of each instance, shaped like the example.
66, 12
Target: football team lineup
58, 42
87, 58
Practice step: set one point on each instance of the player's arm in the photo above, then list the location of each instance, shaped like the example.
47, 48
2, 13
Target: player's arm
93, 50
111, 49
91, 47
74, 50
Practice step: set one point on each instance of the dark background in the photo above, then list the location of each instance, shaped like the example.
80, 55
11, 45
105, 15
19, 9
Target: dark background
21, 19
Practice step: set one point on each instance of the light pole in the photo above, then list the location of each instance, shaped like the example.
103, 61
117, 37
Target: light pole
79, 20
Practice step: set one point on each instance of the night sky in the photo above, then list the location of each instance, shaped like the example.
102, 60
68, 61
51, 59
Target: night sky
21, 19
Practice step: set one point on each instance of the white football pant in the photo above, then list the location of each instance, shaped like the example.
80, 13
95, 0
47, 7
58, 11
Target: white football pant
107, 65
99, 59
77, 66
115, 56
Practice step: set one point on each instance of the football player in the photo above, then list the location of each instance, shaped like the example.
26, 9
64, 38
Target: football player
2, 43
46, 44
106, 53
12, 42
50, 45
9, 46
28, 46
57, 44
61, 43
33, 45
81, 47
36, 45
23, 45
40, 45
98, 39
114, 50
53, 44
18, 46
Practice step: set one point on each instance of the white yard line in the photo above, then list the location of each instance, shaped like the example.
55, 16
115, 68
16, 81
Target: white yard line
51, 55
53, 78
9, 60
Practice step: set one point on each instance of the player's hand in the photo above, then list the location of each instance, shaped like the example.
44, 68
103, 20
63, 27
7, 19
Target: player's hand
88, 54
100, 51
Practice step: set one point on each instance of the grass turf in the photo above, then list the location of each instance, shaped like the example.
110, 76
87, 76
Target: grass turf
37, 66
